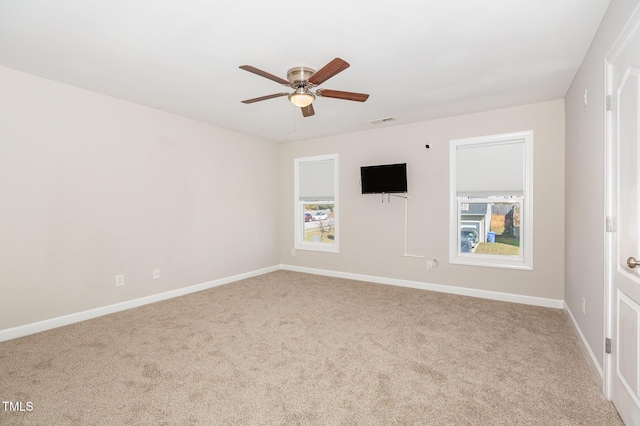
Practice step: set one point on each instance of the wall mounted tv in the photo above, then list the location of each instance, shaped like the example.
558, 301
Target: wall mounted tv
384, 179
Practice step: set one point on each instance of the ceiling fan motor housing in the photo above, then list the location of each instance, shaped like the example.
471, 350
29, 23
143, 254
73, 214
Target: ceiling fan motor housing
299, 75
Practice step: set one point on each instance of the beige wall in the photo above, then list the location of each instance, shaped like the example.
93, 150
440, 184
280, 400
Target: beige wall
91, 187
585, 182
372, 233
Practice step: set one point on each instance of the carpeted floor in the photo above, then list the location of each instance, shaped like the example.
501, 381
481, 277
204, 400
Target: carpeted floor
297, 349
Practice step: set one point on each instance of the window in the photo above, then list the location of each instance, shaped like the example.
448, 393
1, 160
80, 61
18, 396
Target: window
491, 201
316, 203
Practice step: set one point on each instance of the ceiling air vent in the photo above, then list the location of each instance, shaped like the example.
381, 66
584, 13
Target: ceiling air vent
383, 120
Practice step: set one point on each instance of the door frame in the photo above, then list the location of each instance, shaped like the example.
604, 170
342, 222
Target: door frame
610, 199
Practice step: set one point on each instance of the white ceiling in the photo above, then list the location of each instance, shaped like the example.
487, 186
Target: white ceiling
418, 59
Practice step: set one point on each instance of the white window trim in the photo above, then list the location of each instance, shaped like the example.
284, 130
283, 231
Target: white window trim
525, 260
298, 214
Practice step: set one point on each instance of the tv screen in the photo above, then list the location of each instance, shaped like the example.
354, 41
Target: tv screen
386, 178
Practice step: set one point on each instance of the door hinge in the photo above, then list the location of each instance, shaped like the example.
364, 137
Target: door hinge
609, 106
607, 345
611, 224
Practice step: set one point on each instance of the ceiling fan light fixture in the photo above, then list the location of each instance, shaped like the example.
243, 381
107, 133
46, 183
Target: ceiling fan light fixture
302, 97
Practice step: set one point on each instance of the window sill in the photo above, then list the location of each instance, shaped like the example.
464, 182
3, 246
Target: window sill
490, 262
318, 247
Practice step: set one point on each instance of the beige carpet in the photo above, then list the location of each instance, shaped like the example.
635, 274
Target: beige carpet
290, 348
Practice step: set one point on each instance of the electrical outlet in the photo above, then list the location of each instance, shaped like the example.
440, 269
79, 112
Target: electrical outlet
584, 306
431, 263
156, 274
119, 280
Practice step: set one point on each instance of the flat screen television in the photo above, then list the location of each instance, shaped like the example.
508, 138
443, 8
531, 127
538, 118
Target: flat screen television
384, 179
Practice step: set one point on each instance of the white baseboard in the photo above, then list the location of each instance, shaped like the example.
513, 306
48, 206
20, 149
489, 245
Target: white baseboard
589, 355
463, 291
25, 330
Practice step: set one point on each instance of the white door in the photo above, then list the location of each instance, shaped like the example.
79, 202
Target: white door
623, 72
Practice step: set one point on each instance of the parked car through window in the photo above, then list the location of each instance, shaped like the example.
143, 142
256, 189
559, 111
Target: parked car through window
319, 216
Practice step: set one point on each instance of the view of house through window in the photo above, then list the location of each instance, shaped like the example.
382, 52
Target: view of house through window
491, 226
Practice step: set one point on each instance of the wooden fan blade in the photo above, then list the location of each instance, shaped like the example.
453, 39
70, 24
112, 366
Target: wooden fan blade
328, 71
264, 98
348, 96
264, 74
308, 110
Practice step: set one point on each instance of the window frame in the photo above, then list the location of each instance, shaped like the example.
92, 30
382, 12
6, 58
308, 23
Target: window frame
298, 215
525, 259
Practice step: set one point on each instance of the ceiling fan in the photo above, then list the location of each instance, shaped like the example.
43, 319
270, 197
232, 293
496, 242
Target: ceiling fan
303, 81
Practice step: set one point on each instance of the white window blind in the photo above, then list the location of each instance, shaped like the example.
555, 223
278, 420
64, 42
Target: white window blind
316, 180
490, 168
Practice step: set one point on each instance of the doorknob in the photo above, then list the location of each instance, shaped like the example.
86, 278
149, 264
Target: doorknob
632, 262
